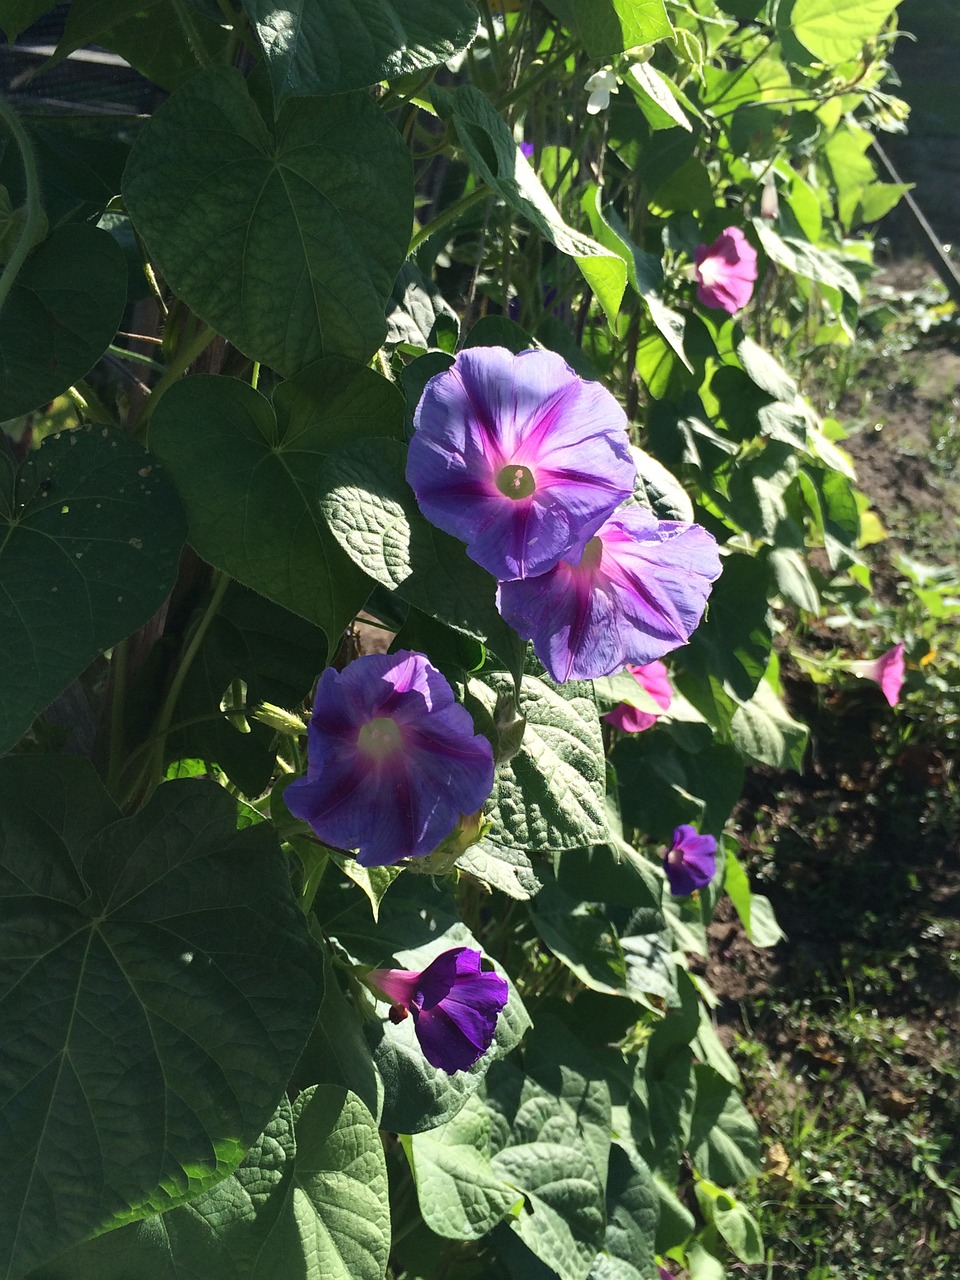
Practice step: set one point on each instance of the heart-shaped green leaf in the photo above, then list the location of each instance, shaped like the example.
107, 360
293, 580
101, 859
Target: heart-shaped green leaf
91, 535
311, 1196
159, 982
286, 238
251, 477
347, 44
60, 317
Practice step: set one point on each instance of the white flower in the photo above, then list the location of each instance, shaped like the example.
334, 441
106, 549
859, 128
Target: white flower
600, 86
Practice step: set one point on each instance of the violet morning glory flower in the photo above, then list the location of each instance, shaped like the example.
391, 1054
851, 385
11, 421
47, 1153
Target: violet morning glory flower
519, 458
726, 271
637, 592
655, 679
526, 150
454, 1004
886, 671
393, 760
690, 861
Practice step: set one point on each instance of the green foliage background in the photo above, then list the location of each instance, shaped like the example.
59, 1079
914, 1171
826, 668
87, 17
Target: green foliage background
329, 202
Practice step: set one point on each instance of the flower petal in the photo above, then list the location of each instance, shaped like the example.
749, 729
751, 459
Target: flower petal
402, 797
493, 410
641, 598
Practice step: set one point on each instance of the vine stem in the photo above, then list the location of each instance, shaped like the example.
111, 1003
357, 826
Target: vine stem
191, 34
33, 222
165, 718
452, 211
180, 363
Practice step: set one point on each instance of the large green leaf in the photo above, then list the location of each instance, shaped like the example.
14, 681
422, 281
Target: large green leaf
60, 316
550, 795
763, 730
309, 1200
633, 1212
461, 1198
159, 982
733, 641
538, 1147
373, 514
251, 476
91, 537
724, 1141
609, 27
286, 238
347, 44
495, 158
836, 32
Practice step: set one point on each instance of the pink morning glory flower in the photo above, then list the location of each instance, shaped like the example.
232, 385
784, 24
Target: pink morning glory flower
393, 760
886, 671
690, 862
655, 679
726, 271
519, 458
454, 1003
638, 591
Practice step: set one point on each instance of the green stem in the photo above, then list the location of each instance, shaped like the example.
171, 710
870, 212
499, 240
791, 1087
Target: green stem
151, 773
33, 223
118, 682
191, 34
174, 370
452, 211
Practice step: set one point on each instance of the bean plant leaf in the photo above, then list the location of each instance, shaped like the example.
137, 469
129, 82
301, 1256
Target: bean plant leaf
550, 795
92, 531
497, 161
348, 44
159, 984
285, 237
62, 312
508, 870
372, 512
251, 477
724, 1141
609, 27
311, 1193
537, 1147
834, 33
461, 1198
633, 1212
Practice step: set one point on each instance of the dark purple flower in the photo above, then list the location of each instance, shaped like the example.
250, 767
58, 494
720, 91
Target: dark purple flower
726, 271
393, 760
526, 150
519, 458
637, 592
653, 677
690, 861
454, 1003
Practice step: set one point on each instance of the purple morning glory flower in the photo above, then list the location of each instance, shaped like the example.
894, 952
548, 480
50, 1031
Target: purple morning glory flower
393, 760
637, 592
519, 458
526, 150
690, 861
454, 1003
655, 678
